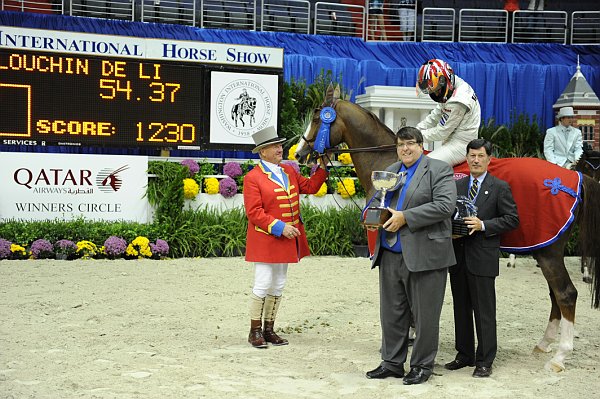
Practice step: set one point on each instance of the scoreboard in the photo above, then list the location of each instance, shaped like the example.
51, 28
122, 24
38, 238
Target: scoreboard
76, 100
79, 99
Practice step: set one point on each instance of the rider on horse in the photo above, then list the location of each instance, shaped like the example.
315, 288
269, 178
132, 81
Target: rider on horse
455, 120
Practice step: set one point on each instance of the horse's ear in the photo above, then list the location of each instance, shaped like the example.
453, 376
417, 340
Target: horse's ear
329, 95
337, 92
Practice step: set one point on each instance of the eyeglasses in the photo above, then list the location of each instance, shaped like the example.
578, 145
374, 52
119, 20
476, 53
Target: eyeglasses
408, 144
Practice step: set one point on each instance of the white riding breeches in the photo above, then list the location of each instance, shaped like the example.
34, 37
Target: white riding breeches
269, 279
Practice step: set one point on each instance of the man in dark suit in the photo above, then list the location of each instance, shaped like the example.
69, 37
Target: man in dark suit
413, 252
472, 279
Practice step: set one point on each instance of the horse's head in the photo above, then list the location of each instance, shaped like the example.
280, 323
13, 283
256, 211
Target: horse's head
308, 148
589, 164
325, 130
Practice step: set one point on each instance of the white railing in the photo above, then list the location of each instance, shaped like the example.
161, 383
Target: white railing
285, 16
111, 9
483, 25
438, 25
339, 19
539, 26
585, 27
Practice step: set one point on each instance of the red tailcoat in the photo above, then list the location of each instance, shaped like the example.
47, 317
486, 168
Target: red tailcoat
266, 202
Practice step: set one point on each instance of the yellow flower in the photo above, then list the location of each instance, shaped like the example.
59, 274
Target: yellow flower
140, 246
345, 158
346, 188
211, 185
190, 188
86, 249
322, 191
291, 152
18, 250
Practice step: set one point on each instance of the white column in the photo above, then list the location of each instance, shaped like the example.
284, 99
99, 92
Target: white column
389, 118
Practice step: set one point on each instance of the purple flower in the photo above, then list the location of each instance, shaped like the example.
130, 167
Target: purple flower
161, 248
192, 166
232, 169
228, 187
115, 246
5, 248
293, 164
42, 249
67, 247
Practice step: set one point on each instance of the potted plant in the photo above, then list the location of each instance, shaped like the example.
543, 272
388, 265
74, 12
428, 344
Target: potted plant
5, 252
42, 249
86, 249
64, 249
160, 249
114, 247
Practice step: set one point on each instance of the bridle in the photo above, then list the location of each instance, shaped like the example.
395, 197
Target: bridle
311, 143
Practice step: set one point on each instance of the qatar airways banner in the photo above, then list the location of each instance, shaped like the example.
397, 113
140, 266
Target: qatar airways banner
68, 186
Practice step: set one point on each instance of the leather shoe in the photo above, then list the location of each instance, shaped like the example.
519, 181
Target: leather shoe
482, 371
381, 373
417, 375
457, 364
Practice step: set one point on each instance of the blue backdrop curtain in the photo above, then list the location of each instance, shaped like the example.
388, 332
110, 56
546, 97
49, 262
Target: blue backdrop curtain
508, 78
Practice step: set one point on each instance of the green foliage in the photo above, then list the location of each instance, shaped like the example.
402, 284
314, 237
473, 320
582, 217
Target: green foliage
522, 138
333, 231
165, 190
246, 167
203, 232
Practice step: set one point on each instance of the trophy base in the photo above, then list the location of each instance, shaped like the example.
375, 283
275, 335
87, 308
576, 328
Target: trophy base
376, 217
459, 228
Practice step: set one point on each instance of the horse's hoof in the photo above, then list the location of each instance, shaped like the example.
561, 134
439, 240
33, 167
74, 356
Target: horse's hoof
554, 366
587, 280
539, 349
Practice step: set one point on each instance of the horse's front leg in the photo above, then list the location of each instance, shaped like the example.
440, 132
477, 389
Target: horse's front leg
563, 295
551, 329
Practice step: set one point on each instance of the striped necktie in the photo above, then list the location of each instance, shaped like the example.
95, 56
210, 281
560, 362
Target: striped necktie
473, 190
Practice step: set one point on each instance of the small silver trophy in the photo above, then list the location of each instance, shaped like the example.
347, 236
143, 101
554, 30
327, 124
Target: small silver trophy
377, 215
464, 208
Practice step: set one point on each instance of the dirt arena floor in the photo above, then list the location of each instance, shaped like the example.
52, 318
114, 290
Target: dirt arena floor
178, 329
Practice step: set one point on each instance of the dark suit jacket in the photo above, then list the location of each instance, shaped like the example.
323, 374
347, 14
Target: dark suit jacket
428, 206
498, 211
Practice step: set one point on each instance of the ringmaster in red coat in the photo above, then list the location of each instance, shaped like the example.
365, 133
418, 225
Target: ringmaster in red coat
276, 233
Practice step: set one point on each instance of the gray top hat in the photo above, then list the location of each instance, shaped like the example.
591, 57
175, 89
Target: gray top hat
565, 111
265, 137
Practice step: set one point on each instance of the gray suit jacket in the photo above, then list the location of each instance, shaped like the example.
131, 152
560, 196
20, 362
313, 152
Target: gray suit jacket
428, 205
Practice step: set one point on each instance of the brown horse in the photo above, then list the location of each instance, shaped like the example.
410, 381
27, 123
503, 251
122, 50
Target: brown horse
364, 134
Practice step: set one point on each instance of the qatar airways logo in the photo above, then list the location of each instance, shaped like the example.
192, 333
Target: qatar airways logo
69, 181
109, 181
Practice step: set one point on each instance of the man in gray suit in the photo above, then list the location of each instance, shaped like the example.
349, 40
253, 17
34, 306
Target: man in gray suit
413, 252
472, 279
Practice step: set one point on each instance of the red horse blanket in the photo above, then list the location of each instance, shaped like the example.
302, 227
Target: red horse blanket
546, 196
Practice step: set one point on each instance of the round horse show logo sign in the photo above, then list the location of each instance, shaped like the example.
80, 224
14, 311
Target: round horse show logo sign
244, 107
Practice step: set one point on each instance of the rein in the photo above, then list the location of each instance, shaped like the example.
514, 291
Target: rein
387, 147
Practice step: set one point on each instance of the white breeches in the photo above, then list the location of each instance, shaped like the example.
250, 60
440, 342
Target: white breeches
452, 153
269, 279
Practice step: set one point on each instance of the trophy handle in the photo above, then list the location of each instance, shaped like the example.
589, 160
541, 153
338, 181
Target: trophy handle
400, 182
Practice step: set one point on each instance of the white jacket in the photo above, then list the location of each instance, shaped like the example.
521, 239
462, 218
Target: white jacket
563, 145
455, 123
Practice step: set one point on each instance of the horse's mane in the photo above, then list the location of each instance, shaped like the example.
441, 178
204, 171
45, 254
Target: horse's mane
373, 117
